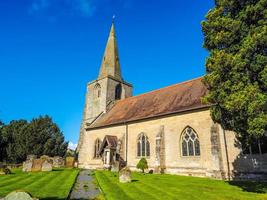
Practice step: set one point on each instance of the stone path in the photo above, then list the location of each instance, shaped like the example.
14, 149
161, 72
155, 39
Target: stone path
84, 187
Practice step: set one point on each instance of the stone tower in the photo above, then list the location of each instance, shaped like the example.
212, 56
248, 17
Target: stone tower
108, 88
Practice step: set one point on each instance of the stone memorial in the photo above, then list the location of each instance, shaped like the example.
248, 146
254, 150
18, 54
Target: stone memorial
125, 175
47, 166
27, 166
37, 165
19, 195
58, 162
70, 162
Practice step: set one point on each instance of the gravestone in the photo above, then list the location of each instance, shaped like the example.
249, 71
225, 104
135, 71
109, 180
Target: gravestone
58, 162
70, 162
19, 195
27, 166
47, 166
115, 167
37, 165
125, 175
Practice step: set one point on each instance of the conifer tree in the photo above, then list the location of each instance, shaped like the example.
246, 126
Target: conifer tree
235, 34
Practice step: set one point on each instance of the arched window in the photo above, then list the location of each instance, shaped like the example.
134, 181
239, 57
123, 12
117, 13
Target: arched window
97, 91
190, 143
118, 92
96, 148
143, 146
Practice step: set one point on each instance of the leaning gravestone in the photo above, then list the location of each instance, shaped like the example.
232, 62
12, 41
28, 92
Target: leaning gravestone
125, 175
47, 166
19, 195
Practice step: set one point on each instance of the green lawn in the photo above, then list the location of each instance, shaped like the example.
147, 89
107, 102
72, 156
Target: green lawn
43, 185
164, 187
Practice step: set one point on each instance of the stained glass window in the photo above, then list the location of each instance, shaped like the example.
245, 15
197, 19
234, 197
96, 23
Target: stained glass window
190, 143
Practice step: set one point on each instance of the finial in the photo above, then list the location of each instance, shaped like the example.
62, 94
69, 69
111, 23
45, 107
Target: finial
113, 18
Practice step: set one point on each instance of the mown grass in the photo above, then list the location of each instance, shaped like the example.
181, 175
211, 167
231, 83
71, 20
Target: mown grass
43, 185
165, 187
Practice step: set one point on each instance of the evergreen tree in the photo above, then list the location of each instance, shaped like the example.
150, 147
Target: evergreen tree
41, 136
1, 141
142, 164
235, 34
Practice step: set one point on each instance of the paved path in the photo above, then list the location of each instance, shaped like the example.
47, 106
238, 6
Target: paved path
84, 187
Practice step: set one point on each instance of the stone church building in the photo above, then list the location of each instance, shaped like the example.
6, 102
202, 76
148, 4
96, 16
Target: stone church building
170, 127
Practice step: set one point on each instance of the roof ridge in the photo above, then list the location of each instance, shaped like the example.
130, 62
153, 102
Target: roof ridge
146, 93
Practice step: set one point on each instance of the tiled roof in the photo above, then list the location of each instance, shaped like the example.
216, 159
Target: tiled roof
175, 98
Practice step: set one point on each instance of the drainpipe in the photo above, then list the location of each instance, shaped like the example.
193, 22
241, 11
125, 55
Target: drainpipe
227, 156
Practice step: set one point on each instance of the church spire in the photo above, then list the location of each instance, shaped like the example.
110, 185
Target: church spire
110, 62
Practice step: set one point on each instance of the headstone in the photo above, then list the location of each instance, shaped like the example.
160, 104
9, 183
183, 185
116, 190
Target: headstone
115, 166
47, 166
125, 175
70, 162
58, 162
27, 166
37, 165
19, 195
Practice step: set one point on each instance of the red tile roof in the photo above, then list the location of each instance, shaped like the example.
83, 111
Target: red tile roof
175, 98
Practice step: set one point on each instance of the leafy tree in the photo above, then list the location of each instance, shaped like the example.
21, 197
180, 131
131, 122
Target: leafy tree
142, 164
236, 37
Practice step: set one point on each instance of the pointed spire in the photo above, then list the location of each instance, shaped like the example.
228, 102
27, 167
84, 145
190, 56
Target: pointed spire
110, 62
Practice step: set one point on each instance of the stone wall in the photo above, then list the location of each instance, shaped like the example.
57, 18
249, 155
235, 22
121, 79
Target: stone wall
218, 154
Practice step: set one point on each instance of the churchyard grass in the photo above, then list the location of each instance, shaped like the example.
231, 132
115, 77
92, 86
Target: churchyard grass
164, 187
43, 185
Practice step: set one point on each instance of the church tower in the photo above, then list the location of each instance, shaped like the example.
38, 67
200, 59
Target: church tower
108, 88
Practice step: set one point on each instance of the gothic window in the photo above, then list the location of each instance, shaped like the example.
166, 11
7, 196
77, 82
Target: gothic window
118, 92
255, 146
143, 146
97, 91
97, 148
190, 143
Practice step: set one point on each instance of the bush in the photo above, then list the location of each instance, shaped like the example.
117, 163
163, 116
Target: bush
142, 164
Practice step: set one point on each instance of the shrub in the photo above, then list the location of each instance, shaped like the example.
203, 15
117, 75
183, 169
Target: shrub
142, 164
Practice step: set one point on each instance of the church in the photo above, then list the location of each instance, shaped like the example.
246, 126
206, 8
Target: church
170, 127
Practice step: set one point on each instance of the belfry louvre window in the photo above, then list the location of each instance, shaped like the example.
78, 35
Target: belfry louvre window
97, 91
96, 148
143, 146
118, 92
190, 143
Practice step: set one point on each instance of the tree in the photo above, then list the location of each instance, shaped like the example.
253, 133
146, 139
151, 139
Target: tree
1, 141
142, 164
41, 136
235, 34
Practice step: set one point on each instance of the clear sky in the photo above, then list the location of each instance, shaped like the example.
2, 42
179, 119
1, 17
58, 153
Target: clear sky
50, 49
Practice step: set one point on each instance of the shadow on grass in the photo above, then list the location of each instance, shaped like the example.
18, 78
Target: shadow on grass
134, 181
251, 186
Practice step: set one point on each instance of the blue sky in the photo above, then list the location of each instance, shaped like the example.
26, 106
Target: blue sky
50, 49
